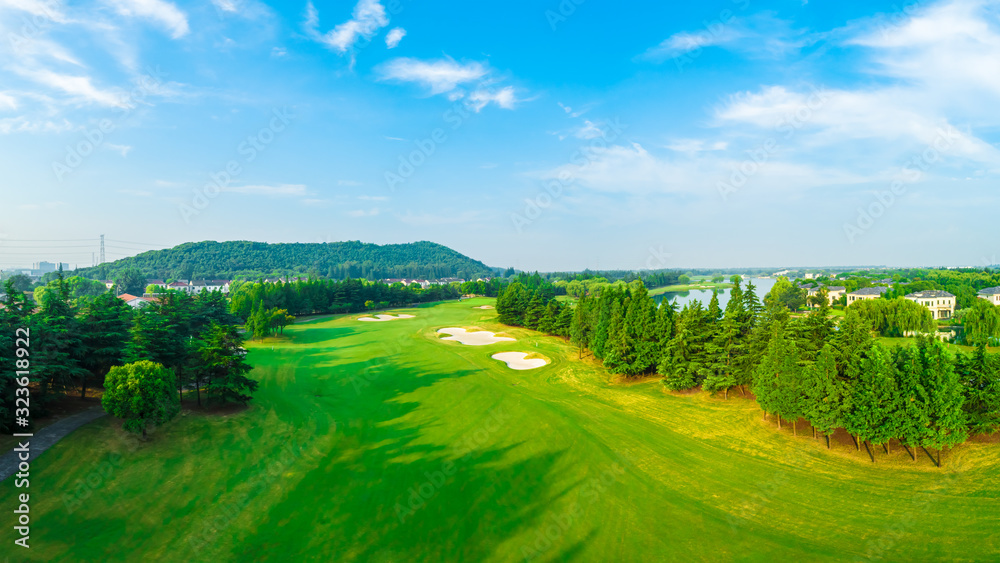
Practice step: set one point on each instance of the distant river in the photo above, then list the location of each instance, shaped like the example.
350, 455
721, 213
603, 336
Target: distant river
761, 287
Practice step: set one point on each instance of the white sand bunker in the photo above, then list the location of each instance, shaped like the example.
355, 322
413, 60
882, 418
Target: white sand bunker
383, 318
518, 360
484, 307
478, 338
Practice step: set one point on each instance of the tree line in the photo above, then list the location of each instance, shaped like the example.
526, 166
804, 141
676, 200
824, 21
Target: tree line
76, 342
323, 296
832, 375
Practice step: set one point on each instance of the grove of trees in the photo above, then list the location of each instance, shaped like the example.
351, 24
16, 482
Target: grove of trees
76, 342
797, 367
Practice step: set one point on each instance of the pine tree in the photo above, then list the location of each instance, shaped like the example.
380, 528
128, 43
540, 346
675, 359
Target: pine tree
979, 374
914, 420
826, 395
105, 326
56, 358
944, 398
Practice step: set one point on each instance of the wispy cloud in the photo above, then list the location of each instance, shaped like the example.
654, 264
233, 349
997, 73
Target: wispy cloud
439, 76
394, 36
369, 17
281, 190
760, 35
453, 79
166, 14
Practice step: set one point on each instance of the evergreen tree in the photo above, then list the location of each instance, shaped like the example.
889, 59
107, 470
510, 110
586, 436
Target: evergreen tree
105, 329
57, 348
826, 395
944, 398
223, 367
914, 420
979, 374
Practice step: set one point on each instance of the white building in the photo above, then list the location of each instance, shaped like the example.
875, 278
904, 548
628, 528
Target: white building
941, 303
991, 294
866, 293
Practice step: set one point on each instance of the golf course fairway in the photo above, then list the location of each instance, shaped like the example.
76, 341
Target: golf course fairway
379, 441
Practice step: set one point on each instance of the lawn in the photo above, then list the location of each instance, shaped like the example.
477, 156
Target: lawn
380, 442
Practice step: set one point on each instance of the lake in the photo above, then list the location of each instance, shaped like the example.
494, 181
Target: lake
761, 287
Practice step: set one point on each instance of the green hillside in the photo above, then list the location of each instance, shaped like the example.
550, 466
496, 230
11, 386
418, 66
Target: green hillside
231, 259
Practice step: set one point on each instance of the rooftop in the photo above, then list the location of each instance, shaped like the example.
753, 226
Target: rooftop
870, 291
990, 291
929, 294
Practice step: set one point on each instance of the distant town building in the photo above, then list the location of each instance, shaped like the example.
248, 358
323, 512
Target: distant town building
991, 294
866, 293
133, 301
941, 303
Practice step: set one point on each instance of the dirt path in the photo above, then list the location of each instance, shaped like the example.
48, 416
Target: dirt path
47, 437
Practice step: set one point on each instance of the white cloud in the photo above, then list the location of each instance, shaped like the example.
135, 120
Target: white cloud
363, 213
349, 183
40, 8
278, 52
282, 190
368, 19
121, 149
504, 98
695, 146
79, 87
160, 11
226, 5
7, 101
394, 36
761, 35
440, 76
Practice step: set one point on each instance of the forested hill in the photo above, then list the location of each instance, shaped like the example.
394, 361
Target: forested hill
338, 260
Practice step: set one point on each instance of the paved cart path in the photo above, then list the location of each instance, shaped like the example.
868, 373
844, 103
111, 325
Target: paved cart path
47, 437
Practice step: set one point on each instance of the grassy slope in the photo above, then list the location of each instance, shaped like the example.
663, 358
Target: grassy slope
375, 408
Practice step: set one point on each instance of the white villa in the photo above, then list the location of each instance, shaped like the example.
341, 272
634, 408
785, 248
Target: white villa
866, 293
991, 294
941, 303
833, 293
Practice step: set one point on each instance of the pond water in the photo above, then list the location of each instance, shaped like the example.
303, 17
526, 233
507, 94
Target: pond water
761, 287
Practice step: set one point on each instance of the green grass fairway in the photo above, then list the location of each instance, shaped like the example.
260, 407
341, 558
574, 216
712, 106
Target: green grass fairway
380, 442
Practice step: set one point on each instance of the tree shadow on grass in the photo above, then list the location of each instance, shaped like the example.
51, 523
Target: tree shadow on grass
383, 493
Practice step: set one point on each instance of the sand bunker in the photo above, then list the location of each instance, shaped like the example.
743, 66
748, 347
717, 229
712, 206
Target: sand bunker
478, 338
484, 307
517, 360
383, 318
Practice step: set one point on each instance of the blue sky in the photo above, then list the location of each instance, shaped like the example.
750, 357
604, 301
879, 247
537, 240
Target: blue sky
541, 135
